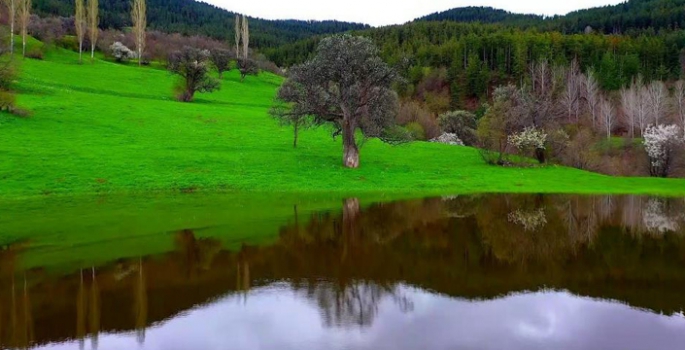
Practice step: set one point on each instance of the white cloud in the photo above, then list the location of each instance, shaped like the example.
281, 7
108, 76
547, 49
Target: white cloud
385, 12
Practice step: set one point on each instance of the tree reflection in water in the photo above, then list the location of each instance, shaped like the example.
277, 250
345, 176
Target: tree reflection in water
353, 262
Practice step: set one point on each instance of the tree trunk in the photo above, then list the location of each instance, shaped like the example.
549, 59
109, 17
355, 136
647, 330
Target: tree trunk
350, 150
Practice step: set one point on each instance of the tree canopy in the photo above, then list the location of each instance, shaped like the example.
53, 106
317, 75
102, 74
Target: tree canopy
347, 85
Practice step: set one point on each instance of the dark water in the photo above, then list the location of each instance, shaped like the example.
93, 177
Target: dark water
488, 272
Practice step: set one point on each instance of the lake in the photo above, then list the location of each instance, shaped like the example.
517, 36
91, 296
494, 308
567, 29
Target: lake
461, 272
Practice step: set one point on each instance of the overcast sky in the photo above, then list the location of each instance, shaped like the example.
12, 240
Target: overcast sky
384, 12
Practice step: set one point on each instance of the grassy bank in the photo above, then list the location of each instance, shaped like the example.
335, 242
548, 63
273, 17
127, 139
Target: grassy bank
111, 128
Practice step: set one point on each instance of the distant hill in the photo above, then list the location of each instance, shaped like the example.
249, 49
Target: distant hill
192, 17
628, 17
482, 15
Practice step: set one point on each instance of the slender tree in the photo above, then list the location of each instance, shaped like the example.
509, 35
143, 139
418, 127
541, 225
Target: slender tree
679, 103
246, 38
608, 114
24, 18
93, 22
629, 105
237, 36
139, 17
12, 13
657, 94
572, 91
80, 23
592, 95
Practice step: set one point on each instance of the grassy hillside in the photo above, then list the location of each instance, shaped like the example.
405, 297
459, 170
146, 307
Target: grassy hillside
111, 128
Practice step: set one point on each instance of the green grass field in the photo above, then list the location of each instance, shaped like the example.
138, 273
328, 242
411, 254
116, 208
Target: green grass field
111, 128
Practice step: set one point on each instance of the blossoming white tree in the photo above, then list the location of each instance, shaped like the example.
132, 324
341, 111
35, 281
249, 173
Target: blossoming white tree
660, 143
530, 138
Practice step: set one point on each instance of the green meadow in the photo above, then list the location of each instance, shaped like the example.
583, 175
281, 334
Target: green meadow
108, 128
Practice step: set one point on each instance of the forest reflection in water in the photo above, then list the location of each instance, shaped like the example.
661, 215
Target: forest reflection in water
503, 260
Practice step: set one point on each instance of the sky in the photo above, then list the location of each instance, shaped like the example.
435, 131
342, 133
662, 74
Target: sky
386, 12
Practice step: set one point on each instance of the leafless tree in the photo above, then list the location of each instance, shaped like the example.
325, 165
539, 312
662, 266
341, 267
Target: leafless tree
139, 17
642, 95
538, 104
679, 103
80, 23
592, 96
93, 22
657, 96
629, 104
24, 19
12, 14
608, 114
572, 91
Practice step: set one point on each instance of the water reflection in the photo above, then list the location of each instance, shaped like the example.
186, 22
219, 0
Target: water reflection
522, 272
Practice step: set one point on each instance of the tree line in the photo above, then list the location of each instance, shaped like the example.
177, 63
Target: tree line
630, 17
188, 17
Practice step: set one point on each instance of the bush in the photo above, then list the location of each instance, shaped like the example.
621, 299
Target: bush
461, 123
35, 53
7, 101
412, 112
67, 42
416, 131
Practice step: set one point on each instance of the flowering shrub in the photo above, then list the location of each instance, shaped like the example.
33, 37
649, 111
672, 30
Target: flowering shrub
448, 139
120, 52
529, 138
660, 140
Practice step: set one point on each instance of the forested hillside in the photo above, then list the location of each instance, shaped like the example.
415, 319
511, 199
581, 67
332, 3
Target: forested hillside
478, 55
630, 17
191, 17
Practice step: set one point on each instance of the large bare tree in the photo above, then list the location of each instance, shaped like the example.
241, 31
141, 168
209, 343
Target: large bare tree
347, 85
139, 17
12, 14
93, 22
81, 24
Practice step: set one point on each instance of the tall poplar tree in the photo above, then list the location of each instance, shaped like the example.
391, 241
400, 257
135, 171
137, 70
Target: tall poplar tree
93, 22
139, 17
80, 23
24, 18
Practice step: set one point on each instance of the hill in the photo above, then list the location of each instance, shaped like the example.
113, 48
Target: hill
192, 17
482, 15
632, 16
112, 128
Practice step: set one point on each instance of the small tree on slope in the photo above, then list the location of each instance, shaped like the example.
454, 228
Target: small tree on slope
192, 65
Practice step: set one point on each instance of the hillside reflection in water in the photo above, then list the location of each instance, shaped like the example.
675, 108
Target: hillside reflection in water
487, 272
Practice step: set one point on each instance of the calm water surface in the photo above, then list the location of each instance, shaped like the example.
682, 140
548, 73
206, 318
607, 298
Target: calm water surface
487, 272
